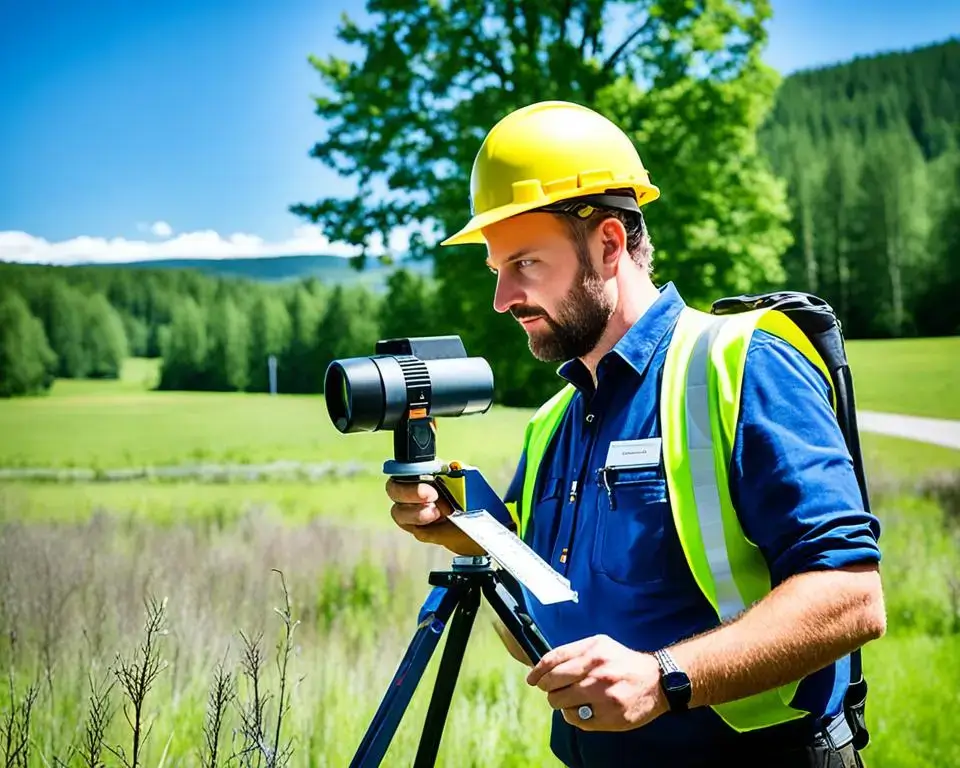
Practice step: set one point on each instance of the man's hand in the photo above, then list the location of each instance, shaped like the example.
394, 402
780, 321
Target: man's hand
622, 686
419, 510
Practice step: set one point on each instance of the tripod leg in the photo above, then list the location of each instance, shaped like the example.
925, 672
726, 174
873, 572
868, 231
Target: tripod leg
520, 625
447, 678
436, 610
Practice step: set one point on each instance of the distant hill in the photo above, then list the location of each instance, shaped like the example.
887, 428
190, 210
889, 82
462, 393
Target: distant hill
328, 269
917, 90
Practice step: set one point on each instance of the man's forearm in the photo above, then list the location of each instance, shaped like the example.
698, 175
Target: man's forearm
802, 626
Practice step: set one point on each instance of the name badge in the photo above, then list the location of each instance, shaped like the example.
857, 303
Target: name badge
634, 453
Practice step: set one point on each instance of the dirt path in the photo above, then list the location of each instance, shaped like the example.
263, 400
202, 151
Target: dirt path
943, 432
278, 470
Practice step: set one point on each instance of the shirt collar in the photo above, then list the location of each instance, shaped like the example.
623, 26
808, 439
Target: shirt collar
638, 345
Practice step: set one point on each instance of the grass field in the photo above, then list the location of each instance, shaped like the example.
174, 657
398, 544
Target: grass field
920, 377
102, 424
77, 560
105, 424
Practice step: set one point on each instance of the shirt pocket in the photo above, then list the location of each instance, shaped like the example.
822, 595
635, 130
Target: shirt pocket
632, 510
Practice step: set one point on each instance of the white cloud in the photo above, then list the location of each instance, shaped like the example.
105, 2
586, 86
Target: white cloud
205, 244
161, 229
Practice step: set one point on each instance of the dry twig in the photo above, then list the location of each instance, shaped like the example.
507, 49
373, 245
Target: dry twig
221, 694
137, 677
99, 716
15, 728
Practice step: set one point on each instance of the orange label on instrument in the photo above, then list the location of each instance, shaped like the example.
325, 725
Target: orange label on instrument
418, 413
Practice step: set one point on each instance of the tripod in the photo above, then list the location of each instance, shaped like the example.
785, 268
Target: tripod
457, 589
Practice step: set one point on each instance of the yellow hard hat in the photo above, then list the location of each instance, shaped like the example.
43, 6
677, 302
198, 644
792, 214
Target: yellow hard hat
545, 153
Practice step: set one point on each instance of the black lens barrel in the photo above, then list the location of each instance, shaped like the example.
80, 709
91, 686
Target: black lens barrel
367, 394
353, 390
460, 386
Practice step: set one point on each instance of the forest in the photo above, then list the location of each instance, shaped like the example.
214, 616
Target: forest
869, 151
212, 333
865, 155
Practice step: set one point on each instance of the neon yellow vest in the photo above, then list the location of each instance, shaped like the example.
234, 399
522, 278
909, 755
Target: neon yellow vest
699, 408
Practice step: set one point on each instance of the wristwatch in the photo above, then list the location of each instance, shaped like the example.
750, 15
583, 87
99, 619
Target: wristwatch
674, 682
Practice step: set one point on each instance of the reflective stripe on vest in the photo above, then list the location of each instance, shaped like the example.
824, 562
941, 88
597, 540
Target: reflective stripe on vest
699, 410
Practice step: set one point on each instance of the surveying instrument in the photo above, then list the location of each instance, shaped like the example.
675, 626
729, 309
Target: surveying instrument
403, 387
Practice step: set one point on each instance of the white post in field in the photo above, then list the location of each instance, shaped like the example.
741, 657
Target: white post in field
272, 364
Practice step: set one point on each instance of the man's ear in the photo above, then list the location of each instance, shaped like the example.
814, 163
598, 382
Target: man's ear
613, 242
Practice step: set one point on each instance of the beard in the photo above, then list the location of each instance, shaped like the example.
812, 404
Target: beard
580, 320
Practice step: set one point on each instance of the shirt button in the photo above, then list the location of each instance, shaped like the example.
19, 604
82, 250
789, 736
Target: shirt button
589, 418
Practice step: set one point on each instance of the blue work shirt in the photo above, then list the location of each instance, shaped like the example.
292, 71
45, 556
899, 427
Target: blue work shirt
792, 483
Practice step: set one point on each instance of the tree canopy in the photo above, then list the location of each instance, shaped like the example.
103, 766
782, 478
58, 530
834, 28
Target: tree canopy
27, 364
406, 117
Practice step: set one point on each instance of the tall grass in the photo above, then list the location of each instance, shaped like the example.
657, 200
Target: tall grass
166, 598
270, 641
237, 664
914, 672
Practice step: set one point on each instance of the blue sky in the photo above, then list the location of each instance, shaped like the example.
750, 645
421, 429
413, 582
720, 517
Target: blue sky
126, 123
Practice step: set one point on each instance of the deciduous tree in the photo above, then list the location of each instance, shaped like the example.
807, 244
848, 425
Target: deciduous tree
405, 119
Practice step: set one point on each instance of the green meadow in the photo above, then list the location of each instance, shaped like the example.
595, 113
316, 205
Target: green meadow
299, 681
920, 377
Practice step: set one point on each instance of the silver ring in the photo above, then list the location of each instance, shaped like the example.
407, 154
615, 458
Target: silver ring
585, 712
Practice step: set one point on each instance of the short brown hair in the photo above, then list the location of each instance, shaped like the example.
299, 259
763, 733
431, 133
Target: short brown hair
583, 218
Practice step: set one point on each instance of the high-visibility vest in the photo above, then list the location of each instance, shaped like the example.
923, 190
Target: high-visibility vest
699, 408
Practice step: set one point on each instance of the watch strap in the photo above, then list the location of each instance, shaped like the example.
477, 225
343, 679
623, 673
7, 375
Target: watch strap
666, 662
673, 681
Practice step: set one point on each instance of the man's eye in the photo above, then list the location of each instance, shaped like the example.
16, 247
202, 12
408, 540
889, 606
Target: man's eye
524, 263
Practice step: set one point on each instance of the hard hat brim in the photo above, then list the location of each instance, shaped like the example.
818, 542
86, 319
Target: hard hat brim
472, 232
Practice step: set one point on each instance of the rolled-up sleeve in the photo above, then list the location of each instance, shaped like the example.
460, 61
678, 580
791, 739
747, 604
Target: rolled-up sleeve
792, 479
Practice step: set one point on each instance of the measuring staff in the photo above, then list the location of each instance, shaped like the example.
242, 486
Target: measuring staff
689, 479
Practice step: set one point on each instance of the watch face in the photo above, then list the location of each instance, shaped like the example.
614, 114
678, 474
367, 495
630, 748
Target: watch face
675, 681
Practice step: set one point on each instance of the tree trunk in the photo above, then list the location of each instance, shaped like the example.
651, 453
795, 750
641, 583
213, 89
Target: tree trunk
811, 267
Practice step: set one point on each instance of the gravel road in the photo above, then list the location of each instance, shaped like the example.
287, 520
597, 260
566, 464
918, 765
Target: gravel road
943, 432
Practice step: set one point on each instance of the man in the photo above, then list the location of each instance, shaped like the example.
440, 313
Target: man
759, 609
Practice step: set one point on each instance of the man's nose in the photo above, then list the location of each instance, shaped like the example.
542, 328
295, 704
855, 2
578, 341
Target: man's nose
507, 294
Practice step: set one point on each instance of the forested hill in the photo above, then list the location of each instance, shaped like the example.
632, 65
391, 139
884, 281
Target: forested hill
869, 150
920, 87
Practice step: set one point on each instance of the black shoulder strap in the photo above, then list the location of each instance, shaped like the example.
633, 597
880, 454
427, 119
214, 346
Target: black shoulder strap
820, 324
